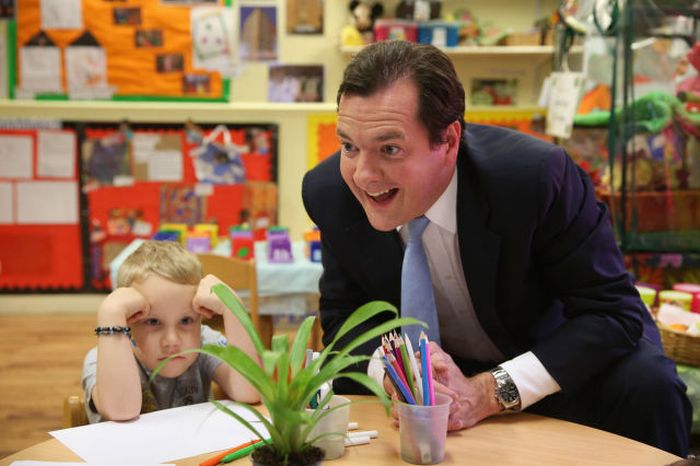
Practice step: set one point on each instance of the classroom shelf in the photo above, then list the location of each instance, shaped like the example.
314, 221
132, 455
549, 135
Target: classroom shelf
542, 51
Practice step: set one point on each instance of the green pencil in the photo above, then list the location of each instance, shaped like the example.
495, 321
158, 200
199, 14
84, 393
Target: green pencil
242, 452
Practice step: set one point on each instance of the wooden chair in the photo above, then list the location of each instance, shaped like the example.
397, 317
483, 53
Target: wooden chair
240, 275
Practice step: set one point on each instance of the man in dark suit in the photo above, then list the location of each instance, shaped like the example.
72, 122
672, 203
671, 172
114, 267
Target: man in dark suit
536, 310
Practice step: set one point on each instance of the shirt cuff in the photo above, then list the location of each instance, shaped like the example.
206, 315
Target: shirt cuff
531, 378
375, 368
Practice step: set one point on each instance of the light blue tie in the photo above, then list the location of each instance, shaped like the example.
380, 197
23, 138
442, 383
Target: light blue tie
417, 299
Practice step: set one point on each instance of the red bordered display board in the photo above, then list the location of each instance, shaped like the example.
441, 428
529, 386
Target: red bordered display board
40, 232
137, 177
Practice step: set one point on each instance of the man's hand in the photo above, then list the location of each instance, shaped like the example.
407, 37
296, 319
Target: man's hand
473, 398
123, 306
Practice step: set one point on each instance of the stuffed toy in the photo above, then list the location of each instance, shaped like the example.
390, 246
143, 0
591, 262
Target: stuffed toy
360, 31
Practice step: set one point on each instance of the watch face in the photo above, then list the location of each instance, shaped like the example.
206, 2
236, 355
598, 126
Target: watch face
509, 393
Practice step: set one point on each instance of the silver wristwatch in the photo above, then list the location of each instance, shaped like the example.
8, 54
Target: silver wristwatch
507, 393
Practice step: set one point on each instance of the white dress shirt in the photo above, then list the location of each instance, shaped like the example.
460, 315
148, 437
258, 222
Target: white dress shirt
460, 330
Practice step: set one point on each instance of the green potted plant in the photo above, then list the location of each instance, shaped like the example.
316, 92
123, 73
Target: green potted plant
286, 385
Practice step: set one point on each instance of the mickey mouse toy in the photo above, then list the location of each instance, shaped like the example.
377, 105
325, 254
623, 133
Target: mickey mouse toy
360, 31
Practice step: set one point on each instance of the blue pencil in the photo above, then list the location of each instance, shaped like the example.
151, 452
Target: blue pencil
397, 381
425, 368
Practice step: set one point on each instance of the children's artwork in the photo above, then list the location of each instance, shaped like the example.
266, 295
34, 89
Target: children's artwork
148, 38
157, 156
86, 68
61, 14
321, 137
494, 92
125, 221
16, 154
219, 161
304, 16
295, 83
258, 33
142, 48
106, 158
41, 65
56, 154
212, 39
181, 205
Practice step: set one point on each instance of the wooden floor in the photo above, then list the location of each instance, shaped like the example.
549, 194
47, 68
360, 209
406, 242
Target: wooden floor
40, 363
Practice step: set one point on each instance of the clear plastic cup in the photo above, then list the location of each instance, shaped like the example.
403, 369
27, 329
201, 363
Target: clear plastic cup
423, 430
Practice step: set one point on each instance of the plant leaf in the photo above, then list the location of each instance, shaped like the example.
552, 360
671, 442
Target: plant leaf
271, 430
232, 302
239, 361
301, 341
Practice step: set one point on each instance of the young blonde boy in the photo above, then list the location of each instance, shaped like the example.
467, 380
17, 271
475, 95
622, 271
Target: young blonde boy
154, 313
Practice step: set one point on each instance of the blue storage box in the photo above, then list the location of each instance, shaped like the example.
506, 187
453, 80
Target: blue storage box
437, 33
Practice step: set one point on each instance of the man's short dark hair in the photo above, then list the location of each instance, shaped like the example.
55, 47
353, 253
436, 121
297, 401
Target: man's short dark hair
440, 92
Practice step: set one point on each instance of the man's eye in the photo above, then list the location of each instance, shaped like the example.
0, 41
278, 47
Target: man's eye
346, 147
391, 150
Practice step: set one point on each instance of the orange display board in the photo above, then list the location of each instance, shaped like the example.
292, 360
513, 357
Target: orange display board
145, 47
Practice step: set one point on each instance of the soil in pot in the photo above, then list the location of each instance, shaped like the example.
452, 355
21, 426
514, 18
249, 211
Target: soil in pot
266, 456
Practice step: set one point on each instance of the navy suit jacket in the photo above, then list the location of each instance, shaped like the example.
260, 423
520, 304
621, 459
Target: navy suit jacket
543, 268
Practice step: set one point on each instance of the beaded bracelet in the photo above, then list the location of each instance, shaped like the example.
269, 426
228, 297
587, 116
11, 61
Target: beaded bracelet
112, 330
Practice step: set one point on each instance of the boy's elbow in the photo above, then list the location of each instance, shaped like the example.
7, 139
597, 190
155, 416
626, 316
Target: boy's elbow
120, 414
249, 398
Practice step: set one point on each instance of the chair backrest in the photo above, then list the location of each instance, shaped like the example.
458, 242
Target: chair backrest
74, 411
239, 274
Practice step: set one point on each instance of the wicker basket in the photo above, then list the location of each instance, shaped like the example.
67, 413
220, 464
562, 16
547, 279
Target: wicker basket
681, 347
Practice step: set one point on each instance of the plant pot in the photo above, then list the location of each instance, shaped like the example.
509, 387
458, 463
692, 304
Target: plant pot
337, 422
266, 456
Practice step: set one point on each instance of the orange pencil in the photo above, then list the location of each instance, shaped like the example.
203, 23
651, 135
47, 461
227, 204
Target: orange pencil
216, 459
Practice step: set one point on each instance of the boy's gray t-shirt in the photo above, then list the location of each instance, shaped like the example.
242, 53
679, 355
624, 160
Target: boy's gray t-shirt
193, 386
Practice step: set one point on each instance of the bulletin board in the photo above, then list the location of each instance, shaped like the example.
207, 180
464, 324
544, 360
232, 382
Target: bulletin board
136, 50
138, 176
40, 232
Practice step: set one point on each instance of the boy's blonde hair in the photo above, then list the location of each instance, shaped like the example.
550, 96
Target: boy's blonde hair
166, 259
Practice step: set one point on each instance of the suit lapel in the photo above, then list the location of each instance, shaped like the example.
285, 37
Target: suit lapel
479, 250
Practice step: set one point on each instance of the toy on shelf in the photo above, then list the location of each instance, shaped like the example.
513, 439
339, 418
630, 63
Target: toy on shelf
279, 246
166, 230
313, 244
418, 10
210, 229
360, 31
198, 242
242, 242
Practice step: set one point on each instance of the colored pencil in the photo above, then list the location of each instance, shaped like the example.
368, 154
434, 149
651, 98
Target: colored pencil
416, 373
403, 389
216, 459
426, 365
407, 367
242, 452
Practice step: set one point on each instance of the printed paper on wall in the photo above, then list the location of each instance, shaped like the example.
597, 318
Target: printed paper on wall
16, 156
47, 202
56, 152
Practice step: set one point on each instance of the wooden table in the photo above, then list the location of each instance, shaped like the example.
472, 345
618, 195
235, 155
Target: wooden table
519, 439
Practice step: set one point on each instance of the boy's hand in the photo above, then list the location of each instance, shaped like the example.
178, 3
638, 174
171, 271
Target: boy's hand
123, 306
205, 302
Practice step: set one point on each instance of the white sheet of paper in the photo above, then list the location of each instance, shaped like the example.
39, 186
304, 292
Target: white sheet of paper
212, 38
61, 14
56, 153
165, 165
161, 436
564, 94
40, 69
86, 68
6, 202
47, 202
143, 145
63, 463
16, 156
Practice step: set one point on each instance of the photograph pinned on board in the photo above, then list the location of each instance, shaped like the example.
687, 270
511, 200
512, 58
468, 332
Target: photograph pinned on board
148, 38
7, 9
258, 33
181, 204
304, 16
196, 84
295, 83
494, 91
169, 62
106, 159
127, 16
217, 159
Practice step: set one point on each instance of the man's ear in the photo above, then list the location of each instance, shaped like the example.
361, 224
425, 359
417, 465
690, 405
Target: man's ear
453, 135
